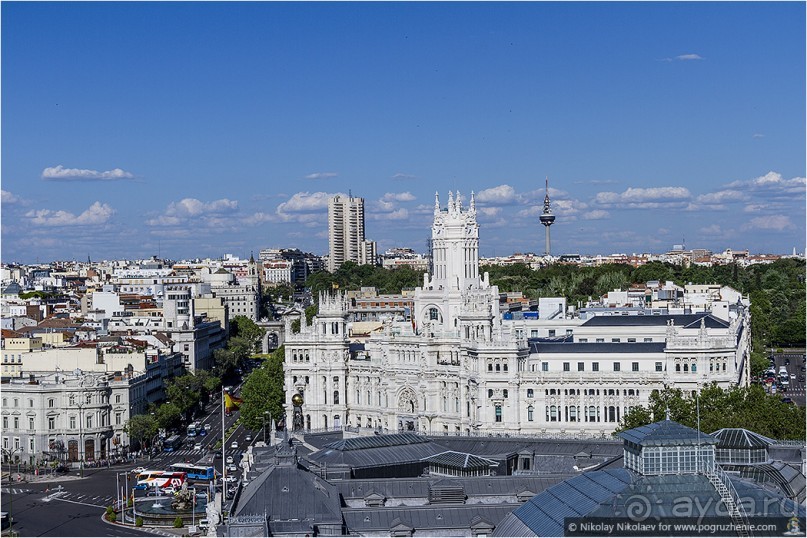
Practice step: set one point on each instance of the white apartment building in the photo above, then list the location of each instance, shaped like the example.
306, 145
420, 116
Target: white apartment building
458, 367
346, 233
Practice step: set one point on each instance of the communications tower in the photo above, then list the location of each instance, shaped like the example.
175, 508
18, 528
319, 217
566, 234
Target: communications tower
547, 218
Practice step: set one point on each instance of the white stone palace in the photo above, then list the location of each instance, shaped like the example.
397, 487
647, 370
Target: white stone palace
457, 367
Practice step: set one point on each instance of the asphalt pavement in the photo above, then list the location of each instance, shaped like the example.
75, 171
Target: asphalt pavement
74, 505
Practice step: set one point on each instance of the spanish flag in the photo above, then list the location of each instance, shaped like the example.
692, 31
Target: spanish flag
231, 402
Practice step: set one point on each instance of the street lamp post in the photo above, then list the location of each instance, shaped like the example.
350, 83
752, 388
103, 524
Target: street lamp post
82, 452
264, 424
9, 453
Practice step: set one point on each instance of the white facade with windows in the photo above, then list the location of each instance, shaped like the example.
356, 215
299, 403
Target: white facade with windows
57, 417
457, 367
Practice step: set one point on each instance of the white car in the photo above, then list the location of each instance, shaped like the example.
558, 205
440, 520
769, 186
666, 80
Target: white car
232, 468
170, 490
207, 427
234, 444
197, 446
230, 478
138, 470
229, 459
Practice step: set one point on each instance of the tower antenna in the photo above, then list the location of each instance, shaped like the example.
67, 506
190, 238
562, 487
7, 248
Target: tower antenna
547, 218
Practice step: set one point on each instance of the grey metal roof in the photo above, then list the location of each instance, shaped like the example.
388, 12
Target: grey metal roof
376, 441
374, 456
740, 438
680, 320
666, 433
596, 347
504, 447
575, 497
423, 518
486, 486
615, 494
460, 460
290, 493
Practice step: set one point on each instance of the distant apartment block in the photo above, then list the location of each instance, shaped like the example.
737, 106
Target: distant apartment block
346, 233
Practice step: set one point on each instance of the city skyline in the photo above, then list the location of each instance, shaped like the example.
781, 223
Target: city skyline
197, 129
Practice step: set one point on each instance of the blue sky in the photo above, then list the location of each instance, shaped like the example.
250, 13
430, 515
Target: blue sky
198, 129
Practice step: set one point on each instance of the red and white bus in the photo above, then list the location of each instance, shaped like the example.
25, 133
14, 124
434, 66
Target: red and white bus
160, 479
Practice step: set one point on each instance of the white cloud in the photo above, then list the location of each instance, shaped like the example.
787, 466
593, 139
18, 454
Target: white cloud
758, 135
772, 181
258, 218
773, 222
59, 172
8, 198
564, 207
489, 212
400, 176
755, 208
308, 208
721, 197
191, 207
398, 214
714, 229
322, 175
203, 213
503, 194
597, 214
304, 202
688, 57
97, 213
639, 198
398, 197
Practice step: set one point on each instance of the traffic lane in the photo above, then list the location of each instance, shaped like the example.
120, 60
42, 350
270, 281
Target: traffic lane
793, 363
64, 517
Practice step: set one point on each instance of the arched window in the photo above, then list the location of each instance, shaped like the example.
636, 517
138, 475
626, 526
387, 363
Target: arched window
553, 413
677, 367
530, 416
336, 397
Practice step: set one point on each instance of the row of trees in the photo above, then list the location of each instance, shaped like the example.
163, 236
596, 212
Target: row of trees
776, 290
244, 340
351, 276
184, 395
740, 407
263, 394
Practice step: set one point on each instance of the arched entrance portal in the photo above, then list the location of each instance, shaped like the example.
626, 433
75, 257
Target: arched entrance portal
407, 410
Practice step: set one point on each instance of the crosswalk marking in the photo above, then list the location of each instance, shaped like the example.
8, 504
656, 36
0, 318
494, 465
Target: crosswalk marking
15, 491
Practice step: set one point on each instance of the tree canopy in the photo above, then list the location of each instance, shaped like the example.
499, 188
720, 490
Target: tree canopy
739, 407
245, 338
141, 428
263, 392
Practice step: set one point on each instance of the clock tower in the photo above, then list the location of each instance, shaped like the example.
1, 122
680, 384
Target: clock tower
454, 295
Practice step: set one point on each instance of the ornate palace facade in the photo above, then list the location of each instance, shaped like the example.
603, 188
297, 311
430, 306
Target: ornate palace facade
457, 367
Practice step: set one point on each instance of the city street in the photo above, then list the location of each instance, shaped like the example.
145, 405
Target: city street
794, 362
74, 505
